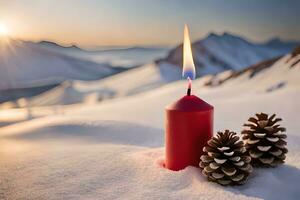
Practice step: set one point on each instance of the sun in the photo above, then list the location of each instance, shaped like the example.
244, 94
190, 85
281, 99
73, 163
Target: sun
3, 29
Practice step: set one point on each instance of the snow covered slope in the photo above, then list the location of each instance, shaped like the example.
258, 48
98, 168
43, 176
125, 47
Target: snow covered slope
217, 53
23, 64
114, 149
259, 68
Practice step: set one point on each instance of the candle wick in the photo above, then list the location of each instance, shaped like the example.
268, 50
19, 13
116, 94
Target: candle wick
189, 90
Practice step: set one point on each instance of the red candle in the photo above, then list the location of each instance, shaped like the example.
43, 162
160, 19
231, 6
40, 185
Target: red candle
189, 121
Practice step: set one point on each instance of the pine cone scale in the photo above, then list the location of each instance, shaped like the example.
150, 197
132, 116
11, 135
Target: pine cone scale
214, 165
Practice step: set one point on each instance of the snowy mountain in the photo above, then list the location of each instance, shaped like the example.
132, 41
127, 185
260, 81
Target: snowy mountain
23, 64
29, 68
217, 53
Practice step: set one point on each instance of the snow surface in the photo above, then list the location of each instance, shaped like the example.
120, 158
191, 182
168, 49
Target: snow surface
114, 149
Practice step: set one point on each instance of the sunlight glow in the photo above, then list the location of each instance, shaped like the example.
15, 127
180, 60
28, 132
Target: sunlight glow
3, 29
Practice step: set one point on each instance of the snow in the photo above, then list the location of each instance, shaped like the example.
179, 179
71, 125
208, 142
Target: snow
114, 149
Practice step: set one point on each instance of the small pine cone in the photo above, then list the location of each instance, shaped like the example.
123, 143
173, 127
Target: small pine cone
265, 141
224, 160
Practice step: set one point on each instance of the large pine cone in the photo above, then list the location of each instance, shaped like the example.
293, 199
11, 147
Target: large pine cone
224, 160
264, 140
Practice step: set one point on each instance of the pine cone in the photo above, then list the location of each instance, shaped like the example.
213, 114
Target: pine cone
224, 160
264, 140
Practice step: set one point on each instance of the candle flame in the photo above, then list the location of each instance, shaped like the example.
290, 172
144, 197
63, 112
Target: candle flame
188, 70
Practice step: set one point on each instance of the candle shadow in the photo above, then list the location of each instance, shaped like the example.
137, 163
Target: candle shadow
114, 132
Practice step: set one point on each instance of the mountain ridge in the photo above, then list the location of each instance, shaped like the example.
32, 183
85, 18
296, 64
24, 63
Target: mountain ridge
55, 44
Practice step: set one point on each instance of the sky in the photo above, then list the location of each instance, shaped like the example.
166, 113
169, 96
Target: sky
147, 22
